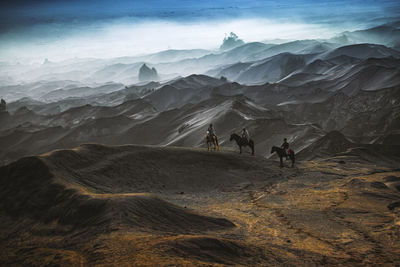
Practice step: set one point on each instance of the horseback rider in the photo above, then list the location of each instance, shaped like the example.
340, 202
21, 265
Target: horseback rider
245, 135
211, 131
285, 147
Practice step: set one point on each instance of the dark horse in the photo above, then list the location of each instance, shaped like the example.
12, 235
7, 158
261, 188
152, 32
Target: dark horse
242, 142
212, 140
281, 153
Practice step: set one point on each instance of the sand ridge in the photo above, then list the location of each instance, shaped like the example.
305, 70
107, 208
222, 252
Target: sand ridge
145, 206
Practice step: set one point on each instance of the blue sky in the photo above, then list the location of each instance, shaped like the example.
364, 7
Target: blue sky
20, 12
100, 28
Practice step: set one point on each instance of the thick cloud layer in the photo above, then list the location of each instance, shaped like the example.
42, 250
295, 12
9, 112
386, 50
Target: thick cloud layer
63, 29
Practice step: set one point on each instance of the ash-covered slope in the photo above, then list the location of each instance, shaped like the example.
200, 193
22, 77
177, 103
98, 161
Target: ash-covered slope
271, 69
213, 59
335, 143
323, 88
365, 115
358, 97
137, 121
229, 114
107, 95
362, 51
36, 88
196, 82
172, 55
387, 34
87, 206
27, 133
332, 143
182, 91
106, 188
330, 63
295, 47
361, 107
80, 91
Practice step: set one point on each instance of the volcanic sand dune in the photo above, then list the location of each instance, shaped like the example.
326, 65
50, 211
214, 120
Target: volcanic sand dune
152, 206
96, 185
335, 143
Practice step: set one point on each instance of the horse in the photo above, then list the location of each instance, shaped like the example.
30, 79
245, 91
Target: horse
281, 153
212, 140
242, 142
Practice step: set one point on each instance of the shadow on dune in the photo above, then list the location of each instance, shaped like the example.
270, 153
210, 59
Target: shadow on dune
30, 190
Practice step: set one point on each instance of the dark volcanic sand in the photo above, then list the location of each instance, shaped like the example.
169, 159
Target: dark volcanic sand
151, 206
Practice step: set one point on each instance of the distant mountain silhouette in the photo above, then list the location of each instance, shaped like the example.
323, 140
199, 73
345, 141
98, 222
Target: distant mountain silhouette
147, 75
231, 41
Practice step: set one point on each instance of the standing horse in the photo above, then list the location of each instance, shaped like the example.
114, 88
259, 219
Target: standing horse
281, 153
212, 140
242, 142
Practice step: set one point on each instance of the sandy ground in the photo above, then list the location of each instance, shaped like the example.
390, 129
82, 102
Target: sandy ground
190, 207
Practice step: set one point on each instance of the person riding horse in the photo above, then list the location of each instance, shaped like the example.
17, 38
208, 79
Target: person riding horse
211, 138
245, 136
211, 131
285, 147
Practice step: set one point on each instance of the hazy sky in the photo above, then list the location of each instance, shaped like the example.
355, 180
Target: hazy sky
57, 30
